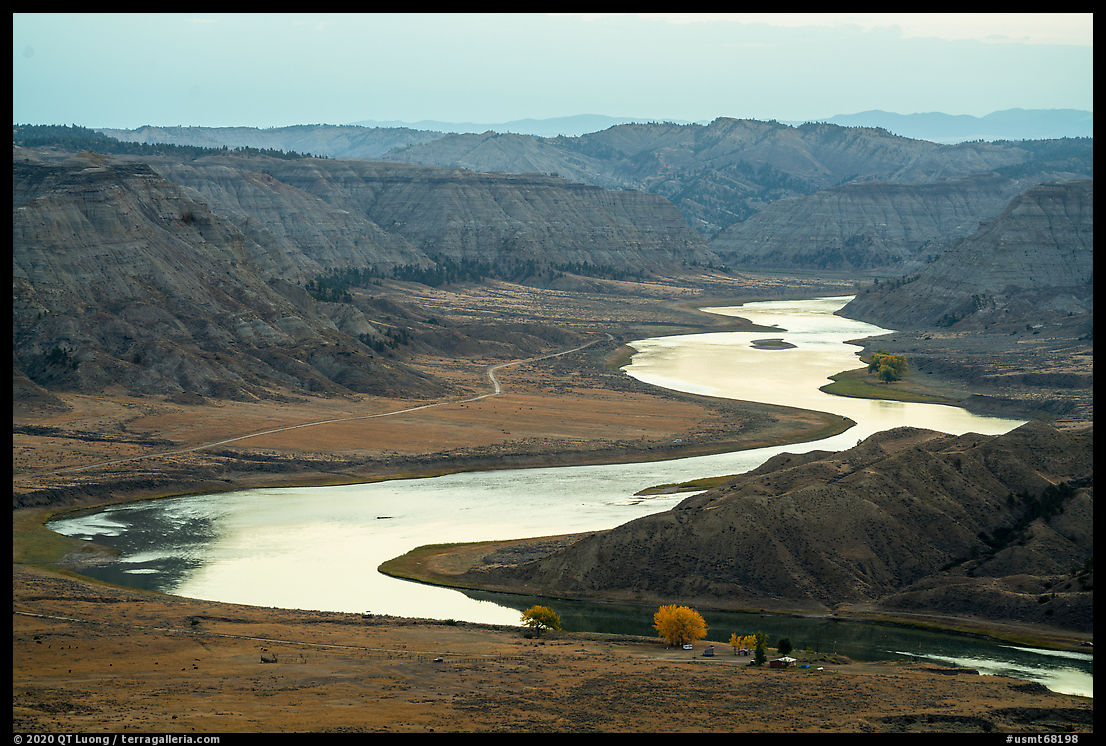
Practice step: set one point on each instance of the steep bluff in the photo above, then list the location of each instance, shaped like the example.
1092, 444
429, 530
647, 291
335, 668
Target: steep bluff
1032, 262
314, 234
866, 225
501, 218
912, 516
340, 214
123, 279
1007, 312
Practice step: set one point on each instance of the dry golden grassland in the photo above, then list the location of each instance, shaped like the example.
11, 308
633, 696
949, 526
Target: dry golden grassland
89, 658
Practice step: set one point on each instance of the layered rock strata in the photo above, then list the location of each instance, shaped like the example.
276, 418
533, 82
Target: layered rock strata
1031, 263
190, 277
123, 280
864, 226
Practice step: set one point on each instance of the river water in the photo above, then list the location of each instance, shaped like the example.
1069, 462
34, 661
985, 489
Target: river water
319, 547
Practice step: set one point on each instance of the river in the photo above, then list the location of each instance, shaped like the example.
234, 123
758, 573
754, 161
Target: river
318, 547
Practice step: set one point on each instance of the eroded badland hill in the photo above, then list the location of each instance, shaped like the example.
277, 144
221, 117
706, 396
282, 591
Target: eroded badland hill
995, 528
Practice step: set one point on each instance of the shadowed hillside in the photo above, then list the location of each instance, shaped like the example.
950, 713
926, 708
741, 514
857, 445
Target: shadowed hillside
120, 278
994, 526
869, 225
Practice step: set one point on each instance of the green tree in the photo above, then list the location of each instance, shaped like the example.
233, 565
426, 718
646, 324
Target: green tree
887, 366
678, 625
784, 645
541, 618
761, 653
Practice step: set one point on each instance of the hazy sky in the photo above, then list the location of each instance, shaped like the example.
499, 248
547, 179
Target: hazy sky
126, 70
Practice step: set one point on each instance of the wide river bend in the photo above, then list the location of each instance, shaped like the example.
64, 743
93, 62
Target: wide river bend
319, 547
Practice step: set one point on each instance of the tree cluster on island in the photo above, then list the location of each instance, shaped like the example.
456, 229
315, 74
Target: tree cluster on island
889, 367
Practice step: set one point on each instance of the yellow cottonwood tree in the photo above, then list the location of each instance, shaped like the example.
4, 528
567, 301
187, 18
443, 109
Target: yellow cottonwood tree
541, 617
742, 641
678, 625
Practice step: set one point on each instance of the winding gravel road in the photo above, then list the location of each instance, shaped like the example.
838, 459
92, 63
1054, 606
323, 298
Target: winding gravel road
497, 389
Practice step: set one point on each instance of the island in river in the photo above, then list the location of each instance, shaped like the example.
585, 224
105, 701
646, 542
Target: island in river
772, 344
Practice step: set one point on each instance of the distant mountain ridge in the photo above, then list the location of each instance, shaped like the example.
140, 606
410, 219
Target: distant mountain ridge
723, 173
1009, 124
571, 126
716, 174
332, 141
936, 126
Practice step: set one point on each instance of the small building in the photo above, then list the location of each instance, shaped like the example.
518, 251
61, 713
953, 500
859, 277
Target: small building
784, 662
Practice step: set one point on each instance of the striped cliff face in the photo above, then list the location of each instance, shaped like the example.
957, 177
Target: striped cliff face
122, 278
1032, 260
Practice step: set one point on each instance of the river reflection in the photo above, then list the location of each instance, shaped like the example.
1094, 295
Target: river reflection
727, 365
319, 547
